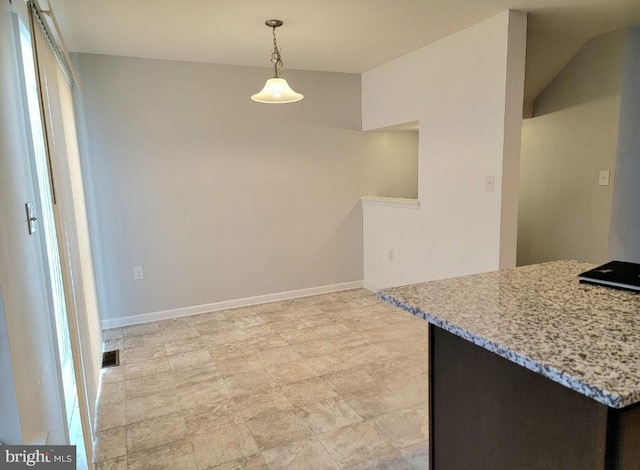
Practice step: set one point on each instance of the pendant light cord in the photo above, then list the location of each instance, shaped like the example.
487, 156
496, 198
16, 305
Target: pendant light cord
276, 58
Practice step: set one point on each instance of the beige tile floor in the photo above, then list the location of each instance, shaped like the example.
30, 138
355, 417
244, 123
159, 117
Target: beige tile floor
325, 382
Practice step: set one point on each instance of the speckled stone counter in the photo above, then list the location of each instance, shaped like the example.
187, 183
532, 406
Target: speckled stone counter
530, 369
584, 337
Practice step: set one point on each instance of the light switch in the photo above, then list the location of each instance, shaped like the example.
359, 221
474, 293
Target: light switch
604, 178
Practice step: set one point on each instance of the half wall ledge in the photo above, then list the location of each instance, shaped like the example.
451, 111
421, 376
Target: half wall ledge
403, 203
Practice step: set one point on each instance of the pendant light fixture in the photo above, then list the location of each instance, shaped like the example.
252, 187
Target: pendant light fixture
276, 90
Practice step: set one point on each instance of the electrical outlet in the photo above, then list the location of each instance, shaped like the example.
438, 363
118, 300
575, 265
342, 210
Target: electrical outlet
604, 178
390, 254
138, 273
489, 184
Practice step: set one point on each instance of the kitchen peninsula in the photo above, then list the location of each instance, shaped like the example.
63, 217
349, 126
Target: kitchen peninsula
530, 369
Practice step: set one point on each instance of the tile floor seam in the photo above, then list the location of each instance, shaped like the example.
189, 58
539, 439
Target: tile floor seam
244, 422
330, 453
151, 449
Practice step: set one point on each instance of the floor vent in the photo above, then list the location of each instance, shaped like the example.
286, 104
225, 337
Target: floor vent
111, 358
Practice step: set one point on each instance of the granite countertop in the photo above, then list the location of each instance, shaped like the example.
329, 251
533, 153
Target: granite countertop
540, 317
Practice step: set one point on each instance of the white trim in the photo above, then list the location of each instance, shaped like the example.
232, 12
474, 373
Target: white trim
371, 287
401, 202
37, 438
227, 304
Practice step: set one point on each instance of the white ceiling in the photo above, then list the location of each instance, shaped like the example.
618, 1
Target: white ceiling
327, 35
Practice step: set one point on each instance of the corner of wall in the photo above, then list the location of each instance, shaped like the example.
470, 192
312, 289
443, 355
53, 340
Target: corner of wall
514, 92
624, 235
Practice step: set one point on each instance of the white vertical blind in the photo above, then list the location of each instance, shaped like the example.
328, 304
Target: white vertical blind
56, 79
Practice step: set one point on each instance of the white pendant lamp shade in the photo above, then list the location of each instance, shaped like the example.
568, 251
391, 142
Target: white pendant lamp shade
277, 90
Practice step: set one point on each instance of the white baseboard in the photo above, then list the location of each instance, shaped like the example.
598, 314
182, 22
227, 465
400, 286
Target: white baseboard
370, 287
227, 304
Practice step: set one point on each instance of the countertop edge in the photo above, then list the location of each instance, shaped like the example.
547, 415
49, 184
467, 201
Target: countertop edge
604, 397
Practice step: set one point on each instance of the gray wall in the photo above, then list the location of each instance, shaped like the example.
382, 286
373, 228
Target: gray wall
218, 197
625, 217
563, 212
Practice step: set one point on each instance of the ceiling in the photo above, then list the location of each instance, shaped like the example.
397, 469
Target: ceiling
324, 35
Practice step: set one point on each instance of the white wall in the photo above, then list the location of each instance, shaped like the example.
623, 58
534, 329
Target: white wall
10, 432
22, 273
564, 213
466, 92
217, 197
625, 217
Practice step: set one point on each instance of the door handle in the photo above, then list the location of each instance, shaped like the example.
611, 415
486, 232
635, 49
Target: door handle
31, 217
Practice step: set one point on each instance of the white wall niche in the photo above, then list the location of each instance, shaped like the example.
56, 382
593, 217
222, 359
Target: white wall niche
390, 166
